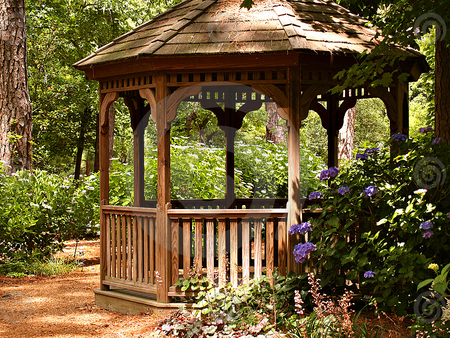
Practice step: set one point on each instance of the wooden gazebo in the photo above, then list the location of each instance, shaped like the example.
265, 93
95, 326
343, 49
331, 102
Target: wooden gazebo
211, 52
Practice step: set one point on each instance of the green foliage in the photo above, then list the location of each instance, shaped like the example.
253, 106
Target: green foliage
39, 210
356, 233
37, 267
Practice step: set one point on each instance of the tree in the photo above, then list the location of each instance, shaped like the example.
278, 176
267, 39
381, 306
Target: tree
15, 105
402, 22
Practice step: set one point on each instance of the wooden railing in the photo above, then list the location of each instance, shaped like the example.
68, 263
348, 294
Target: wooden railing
227, 245
130, 248
224, 244
240, 203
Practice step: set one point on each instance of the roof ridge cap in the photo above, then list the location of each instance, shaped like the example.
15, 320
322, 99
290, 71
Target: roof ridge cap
295, 34
163, 38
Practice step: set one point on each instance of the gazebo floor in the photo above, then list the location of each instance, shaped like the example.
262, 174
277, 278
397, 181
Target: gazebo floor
133, 302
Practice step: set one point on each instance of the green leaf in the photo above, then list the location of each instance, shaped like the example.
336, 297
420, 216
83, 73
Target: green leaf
424, 283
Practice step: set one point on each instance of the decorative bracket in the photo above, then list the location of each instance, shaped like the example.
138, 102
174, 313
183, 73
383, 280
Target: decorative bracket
104, 108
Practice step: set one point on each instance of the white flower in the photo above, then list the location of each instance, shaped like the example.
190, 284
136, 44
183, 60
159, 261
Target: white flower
446, 312
46, 206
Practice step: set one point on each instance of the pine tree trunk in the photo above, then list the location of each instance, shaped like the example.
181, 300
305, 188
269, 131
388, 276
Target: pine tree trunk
347, 135
15, 105
274, 132
442, 90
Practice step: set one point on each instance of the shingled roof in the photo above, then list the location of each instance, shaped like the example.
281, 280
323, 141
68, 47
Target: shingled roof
212, 27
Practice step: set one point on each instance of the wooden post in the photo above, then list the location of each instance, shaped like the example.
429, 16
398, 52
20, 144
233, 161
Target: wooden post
230, 133
294, 204
105, 103
229, 166
333, 131
138, 139
405, 110
163, 228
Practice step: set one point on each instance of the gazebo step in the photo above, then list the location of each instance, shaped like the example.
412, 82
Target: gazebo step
133, 302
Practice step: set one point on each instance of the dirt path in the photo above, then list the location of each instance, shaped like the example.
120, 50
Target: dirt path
63, 306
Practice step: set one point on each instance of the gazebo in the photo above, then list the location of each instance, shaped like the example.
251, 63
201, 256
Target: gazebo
230, 61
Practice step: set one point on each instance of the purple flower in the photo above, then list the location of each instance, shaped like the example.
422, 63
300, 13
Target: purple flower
437, 140
425, 130
369, 274
371, 150
362, 156
301, 228
427, 234
448, 215
399, 137
325, 174
302, 250
315, 195
331, 172
426, 225
334, 171
370, 191
343, 190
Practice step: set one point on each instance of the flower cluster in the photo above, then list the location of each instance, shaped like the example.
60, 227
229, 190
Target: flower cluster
399, 137
329, 173
437, 140
298, 303
343, 190
371, 151
315, 195
370, 191
301, 228
425, 130
362, 156
369, 274
427, 225
302, 250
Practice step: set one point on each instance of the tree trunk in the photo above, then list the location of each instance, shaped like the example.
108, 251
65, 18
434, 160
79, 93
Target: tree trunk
347, 135
80, 143
442, 90
274, 132
15, 105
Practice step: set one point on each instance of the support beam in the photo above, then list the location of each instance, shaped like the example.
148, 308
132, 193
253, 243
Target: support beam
294, 203
333, 130
163, 228
105, 103
139, 121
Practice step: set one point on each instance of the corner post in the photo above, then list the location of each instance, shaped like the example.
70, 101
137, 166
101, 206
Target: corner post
294, 203
332, 130
105, 103
163, 231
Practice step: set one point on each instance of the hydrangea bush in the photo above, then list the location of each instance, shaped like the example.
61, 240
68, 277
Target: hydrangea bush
384, 219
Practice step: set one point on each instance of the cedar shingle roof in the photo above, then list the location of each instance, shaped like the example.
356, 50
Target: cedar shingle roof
209, 27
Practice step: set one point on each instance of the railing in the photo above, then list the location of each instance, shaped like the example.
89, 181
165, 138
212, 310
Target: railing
130, 248
240, 203
224, 244
230, 244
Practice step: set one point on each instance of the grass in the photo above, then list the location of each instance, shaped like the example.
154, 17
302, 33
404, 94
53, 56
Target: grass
36, 267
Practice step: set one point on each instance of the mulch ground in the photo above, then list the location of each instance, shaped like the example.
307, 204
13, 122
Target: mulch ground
63, 306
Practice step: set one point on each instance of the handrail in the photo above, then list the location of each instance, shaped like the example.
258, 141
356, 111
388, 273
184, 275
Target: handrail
226, 213
127, 211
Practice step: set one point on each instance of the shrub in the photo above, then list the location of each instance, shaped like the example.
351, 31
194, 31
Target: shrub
38, 211
388, 223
